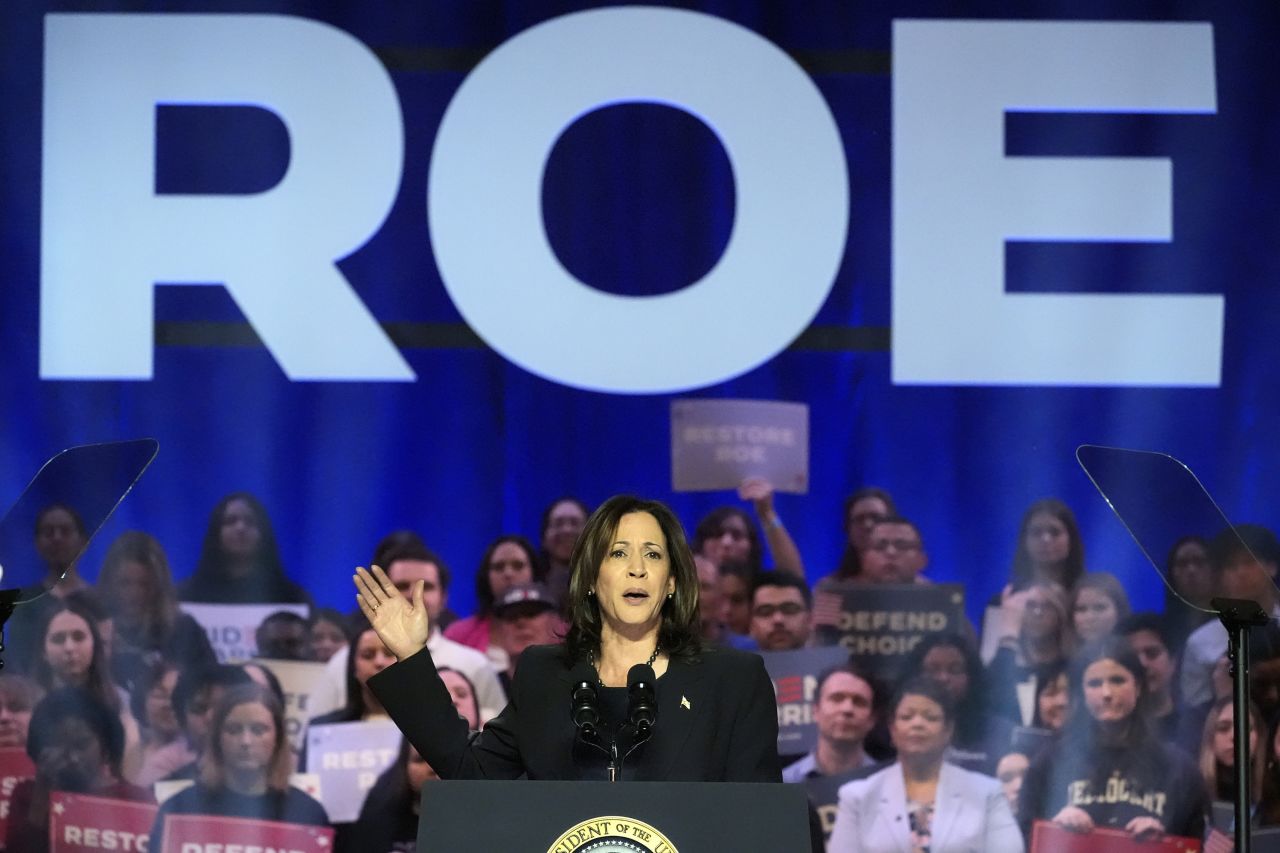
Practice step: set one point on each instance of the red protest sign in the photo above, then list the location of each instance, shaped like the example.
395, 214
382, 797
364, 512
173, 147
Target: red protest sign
15, 766
80, 823
206, 834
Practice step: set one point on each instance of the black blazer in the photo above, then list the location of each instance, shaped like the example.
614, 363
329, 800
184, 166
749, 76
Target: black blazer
717, 722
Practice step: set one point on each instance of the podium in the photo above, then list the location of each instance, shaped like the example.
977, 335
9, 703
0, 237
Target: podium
636, 817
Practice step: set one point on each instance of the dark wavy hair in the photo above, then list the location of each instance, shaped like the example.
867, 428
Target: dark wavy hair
679, 633
98, 678
78, 704
1081, 730
713, 522
211, 569
1072, 566
850, 561
969, 709
484, 592
1138, 749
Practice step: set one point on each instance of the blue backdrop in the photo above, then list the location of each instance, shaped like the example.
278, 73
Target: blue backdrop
639, 200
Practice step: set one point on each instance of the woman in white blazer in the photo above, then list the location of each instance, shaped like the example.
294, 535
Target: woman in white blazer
921, 804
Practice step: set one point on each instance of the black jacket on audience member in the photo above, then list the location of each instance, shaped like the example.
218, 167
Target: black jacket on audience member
717, 722
1115, 785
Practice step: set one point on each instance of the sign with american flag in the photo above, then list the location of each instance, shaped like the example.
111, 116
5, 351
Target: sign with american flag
878, 625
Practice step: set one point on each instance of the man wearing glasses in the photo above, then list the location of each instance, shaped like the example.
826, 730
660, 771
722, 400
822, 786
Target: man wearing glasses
780, 612
894, 554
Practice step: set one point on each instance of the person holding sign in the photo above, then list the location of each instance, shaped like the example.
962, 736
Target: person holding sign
633, 600
1108, 768
77, 744
389, 817
244, 771
921, 802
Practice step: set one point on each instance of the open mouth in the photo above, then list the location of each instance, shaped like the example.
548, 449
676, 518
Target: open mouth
635, 595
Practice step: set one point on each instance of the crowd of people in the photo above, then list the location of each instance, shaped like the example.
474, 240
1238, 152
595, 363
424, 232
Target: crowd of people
1066, 707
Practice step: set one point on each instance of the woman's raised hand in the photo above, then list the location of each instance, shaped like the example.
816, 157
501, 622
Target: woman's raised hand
403, 626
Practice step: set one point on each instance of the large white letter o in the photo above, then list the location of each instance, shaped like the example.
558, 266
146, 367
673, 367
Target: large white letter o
484, 200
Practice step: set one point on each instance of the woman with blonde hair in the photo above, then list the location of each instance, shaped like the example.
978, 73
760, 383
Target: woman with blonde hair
136, 587
1218, 756
1044, 640
244, 771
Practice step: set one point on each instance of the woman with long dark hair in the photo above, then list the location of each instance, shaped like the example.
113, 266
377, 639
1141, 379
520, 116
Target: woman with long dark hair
73, 655
239, 559
367, 657
507, 561
1044, 639
1049, 546
1108, 768
633, 599
862, 510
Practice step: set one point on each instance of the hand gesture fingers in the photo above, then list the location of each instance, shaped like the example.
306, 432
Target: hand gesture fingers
403, 626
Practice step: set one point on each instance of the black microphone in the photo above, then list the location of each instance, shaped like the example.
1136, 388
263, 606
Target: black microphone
583, 707
642, 698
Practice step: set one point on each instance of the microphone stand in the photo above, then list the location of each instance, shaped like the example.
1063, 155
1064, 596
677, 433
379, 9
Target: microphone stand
1238, 616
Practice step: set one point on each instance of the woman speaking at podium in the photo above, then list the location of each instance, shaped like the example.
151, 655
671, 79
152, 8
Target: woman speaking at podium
633, 600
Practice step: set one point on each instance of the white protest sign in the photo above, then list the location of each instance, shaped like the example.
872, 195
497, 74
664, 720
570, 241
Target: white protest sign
348, 758
716, 444
298, 678
232, 627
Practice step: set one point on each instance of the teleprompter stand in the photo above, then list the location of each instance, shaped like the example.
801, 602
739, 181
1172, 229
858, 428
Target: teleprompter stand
1238, 616
662, 817
87, 483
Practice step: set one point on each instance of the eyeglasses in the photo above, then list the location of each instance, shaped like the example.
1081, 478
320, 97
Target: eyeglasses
902, 546
790, 608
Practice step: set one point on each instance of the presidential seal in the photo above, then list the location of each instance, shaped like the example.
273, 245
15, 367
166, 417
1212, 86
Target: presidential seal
612, 835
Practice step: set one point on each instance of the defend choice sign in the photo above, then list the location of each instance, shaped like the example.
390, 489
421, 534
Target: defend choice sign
78, 823
232, 628
204, 834
349, 757
795, 681
880, 625
716, 444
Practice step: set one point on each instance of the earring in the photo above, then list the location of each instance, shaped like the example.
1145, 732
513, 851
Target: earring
669, 596
591, 592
